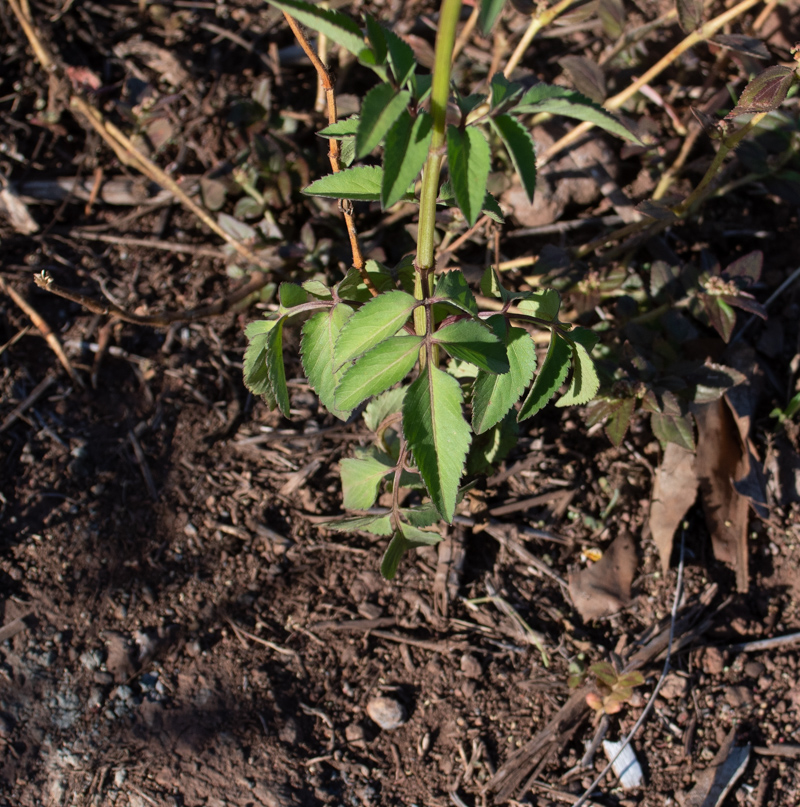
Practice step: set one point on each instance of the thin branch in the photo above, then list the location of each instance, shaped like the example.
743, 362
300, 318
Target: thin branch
334, 153
258, 281
44, 329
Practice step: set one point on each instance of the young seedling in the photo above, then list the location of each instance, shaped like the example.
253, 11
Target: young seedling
613, 690
383, 333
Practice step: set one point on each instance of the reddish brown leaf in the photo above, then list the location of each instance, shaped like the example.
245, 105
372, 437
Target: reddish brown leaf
765, 92
587, 77
721, 460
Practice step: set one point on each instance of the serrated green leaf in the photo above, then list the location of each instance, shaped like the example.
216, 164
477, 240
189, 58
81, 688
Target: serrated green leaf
489, 12
347, 151
340, 129
551, 376
381, 108
421, 86
376, 525
377, 38
419, 537
454, 286
469, 157
492, 209
490, 284
503, 91
264, 373
401, 57
437, 435
353, 288
405, 152
423, 515
493, 445
290, 295
475, 343
377, 370
256, 371
571, 104
398, 547
276, 368
361, 183
378, 319
494, 395
340, 28
316, 349
519, 145
361, 479
317, 289
543, 304
585, 382
378, 409
584, 336
408, 537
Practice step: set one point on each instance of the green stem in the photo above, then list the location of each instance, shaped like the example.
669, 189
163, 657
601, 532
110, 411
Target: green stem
440, 94
726, 147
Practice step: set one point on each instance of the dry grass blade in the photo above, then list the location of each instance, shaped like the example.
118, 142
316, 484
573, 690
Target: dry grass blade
44, 329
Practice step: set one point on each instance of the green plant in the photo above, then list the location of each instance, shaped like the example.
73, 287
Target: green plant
383, 326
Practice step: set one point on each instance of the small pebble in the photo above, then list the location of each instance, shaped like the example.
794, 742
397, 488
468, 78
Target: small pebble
713, 660
675, 686
754, 669
470, 666
387, 713
737, 696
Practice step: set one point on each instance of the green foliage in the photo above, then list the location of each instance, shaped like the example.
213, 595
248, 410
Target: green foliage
381, 336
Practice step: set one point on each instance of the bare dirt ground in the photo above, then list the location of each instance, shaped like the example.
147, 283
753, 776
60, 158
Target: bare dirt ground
177, 627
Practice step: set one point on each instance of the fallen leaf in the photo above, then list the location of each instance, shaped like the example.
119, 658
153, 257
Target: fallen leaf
605, 587
674, 492
720, 462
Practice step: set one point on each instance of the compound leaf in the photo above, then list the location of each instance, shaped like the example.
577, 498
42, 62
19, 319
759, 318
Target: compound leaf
551, 376
519, 145
376, 320
475, 343
381, 108
316, 349
469, 157
494, 395
377, 370
338, 27
361, 183
437, 435
404, 155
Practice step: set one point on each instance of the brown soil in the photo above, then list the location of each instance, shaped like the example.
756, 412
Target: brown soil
179, 630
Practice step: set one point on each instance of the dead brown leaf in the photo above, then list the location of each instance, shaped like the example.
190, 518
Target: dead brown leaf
720, 461
674, 492
605, 587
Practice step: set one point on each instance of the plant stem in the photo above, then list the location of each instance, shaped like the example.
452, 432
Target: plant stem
440, 93
726, 147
